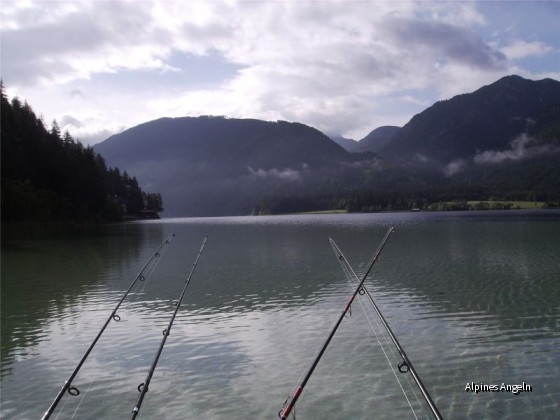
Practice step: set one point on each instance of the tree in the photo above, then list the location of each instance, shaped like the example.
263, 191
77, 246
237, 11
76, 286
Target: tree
48, 177
55, 130
154, 202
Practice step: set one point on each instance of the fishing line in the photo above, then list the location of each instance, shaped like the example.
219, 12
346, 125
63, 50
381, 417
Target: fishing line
412, 388
369, 318
67, 400
302, 374
82, 399
147, 274
285, 412
373, 319
62, 409
405, 365
68, 387
372, 316
135, 294
396, 358
143, 387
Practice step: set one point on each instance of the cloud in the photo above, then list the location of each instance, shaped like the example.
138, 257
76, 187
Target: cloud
415, 101
454, 167
76, 40
327, 41
287, 174
336, 65
520, 149
516, 152
521, 49
421, 158
69, 120
450, 42
87, 131
347, 55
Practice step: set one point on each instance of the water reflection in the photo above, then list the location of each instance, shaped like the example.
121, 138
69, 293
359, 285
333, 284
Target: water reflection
471, 297
46, 271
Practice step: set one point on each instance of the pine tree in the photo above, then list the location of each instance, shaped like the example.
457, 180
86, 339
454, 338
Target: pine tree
49, 177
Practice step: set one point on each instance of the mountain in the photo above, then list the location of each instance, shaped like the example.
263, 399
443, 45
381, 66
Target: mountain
501, 141
216, 165
378, 139
492, 118
349, 145
373, 142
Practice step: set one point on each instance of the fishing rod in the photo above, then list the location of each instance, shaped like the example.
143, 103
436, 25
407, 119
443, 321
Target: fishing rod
287, 409
72, 390
143, 387
406, 364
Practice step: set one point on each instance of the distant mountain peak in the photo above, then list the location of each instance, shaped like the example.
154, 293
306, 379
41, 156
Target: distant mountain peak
489, 118
349, 145
378, 138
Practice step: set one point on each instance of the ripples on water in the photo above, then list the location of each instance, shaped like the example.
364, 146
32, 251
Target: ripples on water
471, 297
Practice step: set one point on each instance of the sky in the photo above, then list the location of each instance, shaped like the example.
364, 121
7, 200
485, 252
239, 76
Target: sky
344, 67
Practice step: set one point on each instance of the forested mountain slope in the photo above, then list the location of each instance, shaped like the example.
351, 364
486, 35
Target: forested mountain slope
215, 165
489, 119
47, 176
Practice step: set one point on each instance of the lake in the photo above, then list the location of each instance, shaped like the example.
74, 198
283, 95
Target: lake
473, 298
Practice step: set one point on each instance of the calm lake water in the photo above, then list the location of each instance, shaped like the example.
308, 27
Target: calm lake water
472, 297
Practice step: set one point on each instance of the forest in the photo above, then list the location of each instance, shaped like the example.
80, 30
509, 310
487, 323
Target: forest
449, 197
48, 176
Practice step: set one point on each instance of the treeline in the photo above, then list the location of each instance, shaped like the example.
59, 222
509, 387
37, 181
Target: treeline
355, 201
393, 187
445, 198
47, 176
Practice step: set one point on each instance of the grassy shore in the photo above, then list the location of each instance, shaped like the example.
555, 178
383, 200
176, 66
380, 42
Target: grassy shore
455, 205
323, 212
522, 205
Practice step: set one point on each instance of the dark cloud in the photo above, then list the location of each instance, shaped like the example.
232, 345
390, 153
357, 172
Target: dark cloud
52, 49
34, 53
70, 120
446, 42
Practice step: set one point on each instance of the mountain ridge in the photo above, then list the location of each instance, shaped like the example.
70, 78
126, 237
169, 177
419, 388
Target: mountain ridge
489, 118
220, 157
378, 138
218, 166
